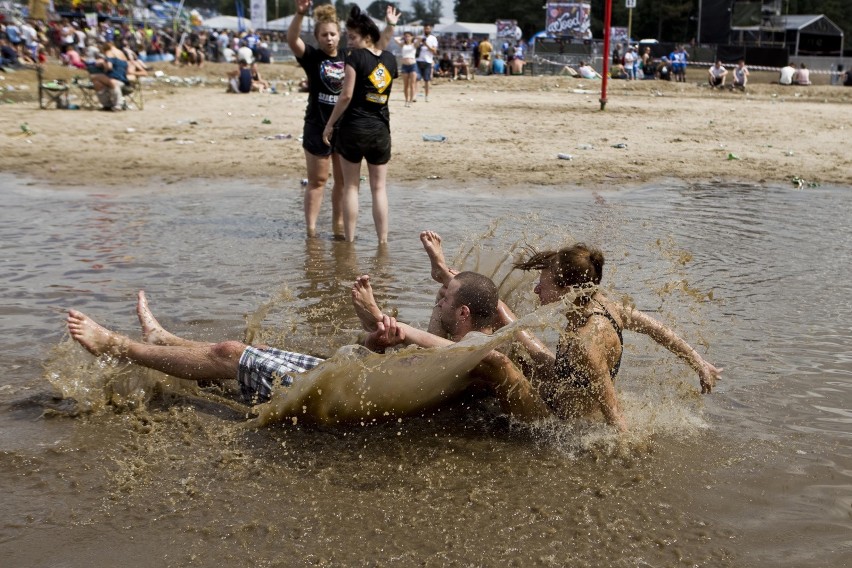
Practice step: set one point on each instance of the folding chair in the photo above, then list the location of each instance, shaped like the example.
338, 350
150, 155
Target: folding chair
51, 92
87, 91
133, 94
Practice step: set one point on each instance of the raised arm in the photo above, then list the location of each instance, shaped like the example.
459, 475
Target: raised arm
391, 18
294, 39
634, 320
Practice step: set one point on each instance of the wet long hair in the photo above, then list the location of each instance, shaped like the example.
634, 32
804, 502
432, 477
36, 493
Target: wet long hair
479, 294
325, 14
578, 265
363, 24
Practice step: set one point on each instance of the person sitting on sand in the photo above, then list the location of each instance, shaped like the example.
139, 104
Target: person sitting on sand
498, 66
586, 71
460, 67
716, 75
802, 75
258, 83
240, 80
787, 73
740, 76
71, 57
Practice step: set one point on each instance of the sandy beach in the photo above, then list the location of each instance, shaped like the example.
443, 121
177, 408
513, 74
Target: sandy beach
501, 131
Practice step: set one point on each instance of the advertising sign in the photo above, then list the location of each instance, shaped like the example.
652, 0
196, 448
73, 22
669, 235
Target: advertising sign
569, 19
506, 28
618, 35
258, 14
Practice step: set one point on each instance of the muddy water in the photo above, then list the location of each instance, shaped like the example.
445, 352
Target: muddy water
146, 471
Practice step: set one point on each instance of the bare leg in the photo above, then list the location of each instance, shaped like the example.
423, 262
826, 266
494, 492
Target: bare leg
337, 198
432, 244
317, 178
152, 331
378, 175
516, 395
200, 361
351, 181
365, 303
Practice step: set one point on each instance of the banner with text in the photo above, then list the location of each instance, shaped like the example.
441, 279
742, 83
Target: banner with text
258, 14
572, 19
506, 28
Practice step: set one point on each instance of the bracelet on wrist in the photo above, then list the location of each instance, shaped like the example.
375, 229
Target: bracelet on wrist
391, 24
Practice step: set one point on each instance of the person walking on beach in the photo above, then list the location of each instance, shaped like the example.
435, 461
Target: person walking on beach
408, 57
426, 51
364, 120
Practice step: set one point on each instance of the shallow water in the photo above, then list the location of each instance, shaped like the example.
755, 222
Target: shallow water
756, 474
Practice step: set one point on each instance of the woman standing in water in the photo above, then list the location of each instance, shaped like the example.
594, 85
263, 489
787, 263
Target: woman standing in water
324, 68
578, 379
364, 129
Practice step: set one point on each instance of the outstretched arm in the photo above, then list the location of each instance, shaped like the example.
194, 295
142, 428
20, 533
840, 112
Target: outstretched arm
294, 39
635, 320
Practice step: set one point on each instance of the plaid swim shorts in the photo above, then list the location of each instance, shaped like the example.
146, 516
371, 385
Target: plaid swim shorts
262, 369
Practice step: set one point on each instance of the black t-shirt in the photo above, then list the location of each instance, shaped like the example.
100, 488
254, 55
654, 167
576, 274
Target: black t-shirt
373, 82
325, 81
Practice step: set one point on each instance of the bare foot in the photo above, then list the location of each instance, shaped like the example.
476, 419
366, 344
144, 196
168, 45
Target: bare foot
440, 272
95, 338
365, 303
152, 331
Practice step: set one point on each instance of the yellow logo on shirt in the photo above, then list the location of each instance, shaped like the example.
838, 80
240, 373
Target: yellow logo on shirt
381, 78
376, 98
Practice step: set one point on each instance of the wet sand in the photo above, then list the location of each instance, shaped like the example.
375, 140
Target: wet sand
501, 131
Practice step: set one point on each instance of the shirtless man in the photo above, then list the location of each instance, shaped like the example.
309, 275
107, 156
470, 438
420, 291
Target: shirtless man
258, 369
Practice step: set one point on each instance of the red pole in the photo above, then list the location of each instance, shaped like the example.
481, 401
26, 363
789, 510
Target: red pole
607, 22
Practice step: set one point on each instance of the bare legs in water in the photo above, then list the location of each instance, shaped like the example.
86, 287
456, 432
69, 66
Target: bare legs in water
160, 349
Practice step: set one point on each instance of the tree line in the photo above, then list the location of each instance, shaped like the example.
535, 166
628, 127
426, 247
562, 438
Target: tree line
665, 20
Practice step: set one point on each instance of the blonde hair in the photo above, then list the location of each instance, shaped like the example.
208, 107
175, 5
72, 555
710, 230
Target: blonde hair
326, 14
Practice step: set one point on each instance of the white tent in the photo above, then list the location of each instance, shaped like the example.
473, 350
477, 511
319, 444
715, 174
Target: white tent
282, 24
227, 23
468, 28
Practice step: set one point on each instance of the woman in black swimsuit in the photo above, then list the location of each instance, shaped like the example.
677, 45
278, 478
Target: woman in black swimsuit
579, 378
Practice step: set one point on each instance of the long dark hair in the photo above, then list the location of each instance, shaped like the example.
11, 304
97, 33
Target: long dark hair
363, 24
577, 265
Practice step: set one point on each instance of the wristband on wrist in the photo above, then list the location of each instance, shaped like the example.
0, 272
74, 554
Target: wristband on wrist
391, 24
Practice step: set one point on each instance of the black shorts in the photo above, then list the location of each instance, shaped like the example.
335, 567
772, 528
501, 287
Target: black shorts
312, 140
425, 70
364, 140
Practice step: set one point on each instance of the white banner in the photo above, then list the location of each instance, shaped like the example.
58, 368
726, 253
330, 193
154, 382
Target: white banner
258, 14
